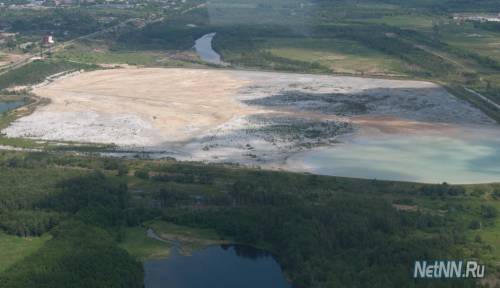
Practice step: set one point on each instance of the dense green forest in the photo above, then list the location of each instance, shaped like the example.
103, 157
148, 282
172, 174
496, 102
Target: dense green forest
78, 255
325, 231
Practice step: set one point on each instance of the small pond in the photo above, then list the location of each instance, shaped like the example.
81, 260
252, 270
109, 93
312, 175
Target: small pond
6, 106
217, 266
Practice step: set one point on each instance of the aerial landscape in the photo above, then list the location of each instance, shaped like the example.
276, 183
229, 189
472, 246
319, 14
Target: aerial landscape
249, 143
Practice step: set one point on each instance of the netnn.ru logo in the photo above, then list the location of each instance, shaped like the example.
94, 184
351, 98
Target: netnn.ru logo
448, 269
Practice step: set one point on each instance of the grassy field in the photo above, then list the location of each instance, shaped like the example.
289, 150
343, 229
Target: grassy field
14, 248
140, 246
98, 52
107, 57
468, 210
482, 42
189, 239
337, 55
416, 21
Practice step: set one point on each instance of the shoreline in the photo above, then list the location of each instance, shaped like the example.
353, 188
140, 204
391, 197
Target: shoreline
158, 113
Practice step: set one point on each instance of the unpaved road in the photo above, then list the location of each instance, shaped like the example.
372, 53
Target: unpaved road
484, 98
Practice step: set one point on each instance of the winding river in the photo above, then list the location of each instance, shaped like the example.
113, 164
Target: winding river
204, 49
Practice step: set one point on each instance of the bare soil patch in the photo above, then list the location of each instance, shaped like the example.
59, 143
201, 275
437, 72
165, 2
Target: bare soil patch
141, 107
235, 116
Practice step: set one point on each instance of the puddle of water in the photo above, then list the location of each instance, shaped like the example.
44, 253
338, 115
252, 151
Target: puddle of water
216, 266
6, 106
203, 47
430, 159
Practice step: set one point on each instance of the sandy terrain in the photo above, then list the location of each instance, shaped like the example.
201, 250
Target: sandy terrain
133, 107
237, 116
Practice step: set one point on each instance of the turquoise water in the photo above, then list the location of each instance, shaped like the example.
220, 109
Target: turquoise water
6, 106
231, 266
469, 157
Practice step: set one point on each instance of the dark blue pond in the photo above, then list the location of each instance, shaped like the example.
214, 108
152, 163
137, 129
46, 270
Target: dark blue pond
6, 106
224, 266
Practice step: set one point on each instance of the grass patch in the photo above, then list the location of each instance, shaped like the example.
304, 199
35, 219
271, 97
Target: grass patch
101, 55
142, 247
14, 249
166, 229
23, 143
37, 71
190, 239
406, 21
342, 56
